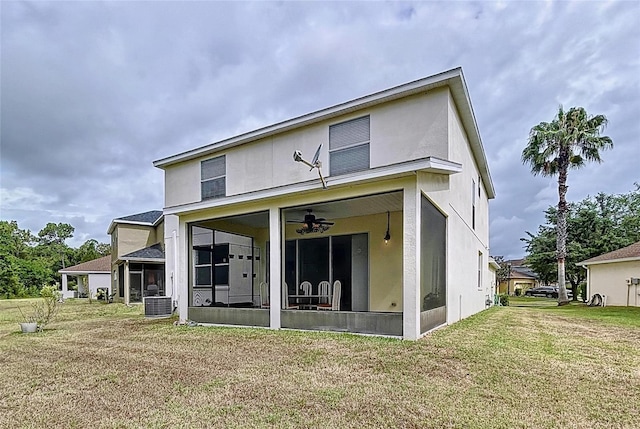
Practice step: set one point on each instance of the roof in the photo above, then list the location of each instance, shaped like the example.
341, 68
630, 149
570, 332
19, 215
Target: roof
629, 253
147, 217
151, 253
150, 218
517, 262
493, 264
454, 79
522, 273
100, 265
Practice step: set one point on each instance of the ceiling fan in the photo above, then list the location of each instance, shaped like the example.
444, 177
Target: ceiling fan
312, 224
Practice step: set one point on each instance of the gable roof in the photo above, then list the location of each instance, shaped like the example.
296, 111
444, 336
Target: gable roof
96, 266
629, 253
150, 218
151, 253
454, 79
523, 273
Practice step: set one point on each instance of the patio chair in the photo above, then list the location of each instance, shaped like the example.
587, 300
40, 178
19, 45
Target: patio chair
324, 299
286, 305
264, 295
335, 297
306, 288
152, 290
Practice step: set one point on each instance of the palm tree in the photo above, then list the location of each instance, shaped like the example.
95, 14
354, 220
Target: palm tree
571, 139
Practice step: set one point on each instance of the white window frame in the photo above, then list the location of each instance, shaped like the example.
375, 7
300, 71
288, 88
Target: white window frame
473, 204
480, 267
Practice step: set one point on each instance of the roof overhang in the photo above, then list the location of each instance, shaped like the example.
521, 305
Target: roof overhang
429, 165
586, 264
83, 273
114, 222
453, 78
149, 260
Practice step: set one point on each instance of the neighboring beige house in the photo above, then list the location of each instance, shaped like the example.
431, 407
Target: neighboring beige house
519, 278
137, 256
91, 276
615, 275
398, 242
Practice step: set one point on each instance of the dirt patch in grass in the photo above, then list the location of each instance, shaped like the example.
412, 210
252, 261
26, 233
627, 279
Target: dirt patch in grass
105, 366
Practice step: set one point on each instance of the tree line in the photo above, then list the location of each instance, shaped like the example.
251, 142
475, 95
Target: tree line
28, 262
595, 225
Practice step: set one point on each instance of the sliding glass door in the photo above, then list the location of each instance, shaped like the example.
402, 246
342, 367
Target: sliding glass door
344, 258
313, 261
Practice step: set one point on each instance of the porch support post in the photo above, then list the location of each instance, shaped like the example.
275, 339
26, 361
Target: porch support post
175, 276
275, 267
126, 283
65, 288
411, 262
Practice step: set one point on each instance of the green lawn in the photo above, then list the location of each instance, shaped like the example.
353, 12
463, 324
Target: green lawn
105, 366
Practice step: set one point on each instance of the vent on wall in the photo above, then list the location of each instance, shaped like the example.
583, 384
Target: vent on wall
157, 306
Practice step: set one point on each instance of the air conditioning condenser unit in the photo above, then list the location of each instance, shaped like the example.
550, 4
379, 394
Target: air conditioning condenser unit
157, 306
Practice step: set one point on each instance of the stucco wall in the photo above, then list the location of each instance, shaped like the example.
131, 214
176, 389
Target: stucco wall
611, 280
452, 195
135, 237
403, 130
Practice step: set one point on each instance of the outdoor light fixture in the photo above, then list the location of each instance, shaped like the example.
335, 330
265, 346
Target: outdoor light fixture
387, 236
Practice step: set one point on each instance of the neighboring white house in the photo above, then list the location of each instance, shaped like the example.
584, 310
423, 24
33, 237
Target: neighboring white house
91, 276
405, 209
615, 274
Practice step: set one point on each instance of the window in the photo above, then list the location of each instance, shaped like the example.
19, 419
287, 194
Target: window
349, 146
473, 204
479, 270
213, 178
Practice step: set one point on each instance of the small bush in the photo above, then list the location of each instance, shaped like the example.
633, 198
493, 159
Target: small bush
46, 309
504, 299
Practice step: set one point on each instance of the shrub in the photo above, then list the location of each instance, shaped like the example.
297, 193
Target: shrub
504, 299
46, 309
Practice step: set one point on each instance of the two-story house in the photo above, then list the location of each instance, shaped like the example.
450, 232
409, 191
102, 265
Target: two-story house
137, 256
396, 243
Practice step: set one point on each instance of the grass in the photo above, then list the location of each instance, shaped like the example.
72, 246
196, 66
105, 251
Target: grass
105, 366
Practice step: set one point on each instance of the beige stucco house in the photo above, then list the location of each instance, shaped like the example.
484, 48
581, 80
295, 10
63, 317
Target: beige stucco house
392, 229
137, 256
615, 275
519, 279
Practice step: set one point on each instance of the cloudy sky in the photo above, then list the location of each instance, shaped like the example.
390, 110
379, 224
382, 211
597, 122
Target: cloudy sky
93, 92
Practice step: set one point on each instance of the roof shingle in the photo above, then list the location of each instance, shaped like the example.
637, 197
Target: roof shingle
147, 217
95, 266
151, 252
632, 251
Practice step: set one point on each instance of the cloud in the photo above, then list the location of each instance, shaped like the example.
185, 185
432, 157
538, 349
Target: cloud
93, 92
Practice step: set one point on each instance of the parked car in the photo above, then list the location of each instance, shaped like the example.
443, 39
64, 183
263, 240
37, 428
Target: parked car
547, 291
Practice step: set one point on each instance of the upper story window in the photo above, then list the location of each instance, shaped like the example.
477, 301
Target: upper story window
213, 178
473, 204
480, 267
349, 146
